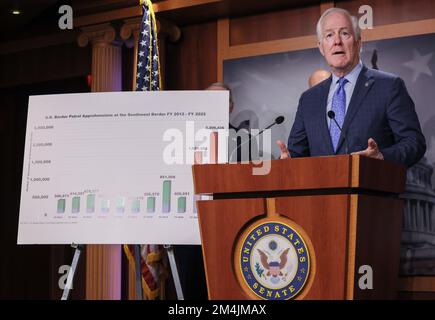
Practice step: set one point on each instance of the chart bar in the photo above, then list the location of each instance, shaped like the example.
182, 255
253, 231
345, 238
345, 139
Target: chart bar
135, 206
151, 204
120, 205
166, 208
105, 206
61, 206
213, 147
181, 208
196, 197
75, 205
90, 203
198, 157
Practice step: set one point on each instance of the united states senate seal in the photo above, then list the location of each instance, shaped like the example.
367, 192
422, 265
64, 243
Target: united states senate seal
274, 260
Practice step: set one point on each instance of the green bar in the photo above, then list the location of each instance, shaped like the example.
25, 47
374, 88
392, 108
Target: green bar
181, 205
61, 206
90, 203
76, 205
166, 196
135, 206
151, 204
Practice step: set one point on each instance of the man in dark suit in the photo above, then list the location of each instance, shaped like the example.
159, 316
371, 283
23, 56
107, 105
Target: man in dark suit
373, 108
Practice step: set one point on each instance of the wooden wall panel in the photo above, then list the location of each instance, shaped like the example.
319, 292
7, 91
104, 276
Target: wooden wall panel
294, 29
191, 63
392, 11
274, 25
44, 64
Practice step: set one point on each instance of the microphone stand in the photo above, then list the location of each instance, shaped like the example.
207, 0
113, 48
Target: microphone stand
250, 137
331, 115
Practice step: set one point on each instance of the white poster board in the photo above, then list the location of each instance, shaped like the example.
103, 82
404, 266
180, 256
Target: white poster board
115, 168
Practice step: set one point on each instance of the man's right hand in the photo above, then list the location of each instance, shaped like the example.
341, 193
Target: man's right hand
284, 151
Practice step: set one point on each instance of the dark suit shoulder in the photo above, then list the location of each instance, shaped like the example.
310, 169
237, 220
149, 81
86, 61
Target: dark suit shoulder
381, 75
389, 82
318, 89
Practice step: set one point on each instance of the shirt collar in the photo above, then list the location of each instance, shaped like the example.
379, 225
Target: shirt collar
351, 76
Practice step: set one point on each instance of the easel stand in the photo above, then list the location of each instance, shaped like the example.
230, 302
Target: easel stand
138, 278
174, 270
72, 270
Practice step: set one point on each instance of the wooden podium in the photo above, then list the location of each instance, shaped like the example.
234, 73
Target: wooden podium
344, 209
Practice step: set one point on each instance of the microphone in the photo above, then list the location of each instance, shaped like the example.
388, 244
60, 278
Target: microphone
278, 120
331, 115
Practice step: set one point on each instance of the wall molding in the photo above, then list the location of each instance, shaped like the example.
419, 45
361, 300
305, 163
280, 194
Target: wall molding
228, 52
417, 284
39, 42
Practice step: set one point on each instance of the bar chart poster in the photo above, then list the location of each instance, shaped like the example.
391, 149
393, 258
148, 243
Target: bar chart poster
116, 168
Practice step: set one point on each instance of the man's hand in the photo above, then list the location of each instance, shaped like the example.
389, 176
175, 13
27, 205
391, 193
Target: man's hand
284, 151
372, 151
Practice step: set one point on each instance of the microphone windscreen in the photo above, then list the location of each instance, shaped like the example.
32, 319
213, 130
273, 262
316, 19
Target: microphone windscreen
279, 120
331, 114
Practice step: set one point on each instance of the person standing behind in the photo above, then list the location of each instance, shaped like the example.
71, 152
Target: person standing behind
318, 76
239, 137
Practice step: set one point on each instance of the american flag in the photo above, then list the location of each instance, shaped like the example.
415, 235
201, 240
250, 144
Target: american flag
153, 271
148, 67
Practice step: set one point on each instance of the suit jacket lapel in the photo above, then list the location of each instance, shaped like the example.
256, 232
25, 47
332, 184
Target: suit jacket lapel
362, 86
323, 123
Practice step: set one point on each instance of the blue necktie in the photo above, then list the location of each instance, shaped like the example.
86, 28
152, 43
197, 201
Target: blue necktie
339, 108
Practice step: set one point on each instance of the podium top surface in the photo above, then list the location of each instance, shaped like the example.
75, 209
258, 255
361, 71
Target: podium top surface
313, 173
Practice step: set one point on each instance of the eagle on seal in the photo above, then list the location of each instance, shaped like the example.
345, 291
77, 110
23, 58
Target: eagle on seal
274, 267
